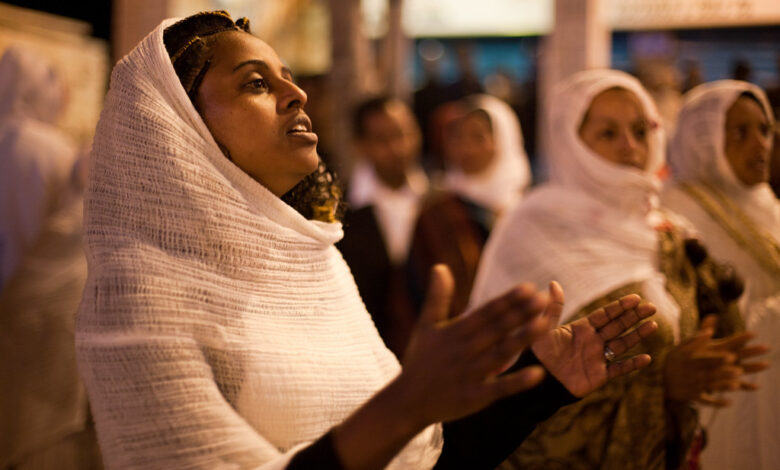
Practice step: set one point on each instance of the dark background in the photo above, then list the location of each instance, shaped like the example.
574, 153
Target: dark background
95, 12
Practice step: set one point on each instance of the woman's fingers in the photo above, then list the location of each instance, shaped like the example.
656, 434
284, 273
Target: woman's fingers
631, 364
489, 360
516, 298
722, 375
439, 296
732, 343
499, 319
748, 386
555, 306
699, 340
713, 361
506, 385
709, 322
623, 343
604, 315
712, 400
753, 350
624, 321
753, 367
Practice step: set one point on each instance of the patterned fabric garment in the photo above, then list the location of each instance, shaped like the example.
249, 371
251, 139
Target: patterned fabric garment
628, 423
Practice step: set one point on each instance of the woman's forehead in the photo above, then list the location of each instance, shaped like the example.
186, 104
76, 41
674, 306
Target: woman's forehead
615, 101
746, 107
235, 48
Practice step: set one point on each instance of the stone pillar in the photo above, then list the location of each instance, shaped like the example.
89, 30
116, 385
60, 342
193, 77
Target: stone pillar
395, 57
581, 39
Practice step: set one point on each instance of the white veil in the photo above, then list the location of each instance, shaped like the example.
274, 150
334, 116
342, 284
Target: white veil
219, 328
591, 227
509, 174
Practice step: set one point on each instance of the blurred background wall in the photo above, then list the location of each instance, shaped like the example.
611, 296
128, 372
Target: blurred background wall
79, 57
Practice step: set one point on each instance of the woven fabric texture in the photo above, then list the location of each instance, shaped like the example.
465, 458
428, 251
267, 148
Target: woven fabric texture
219, 328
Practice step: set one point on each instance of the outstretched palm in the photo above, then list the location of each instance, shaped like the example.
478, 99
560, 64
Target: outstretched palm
574, 353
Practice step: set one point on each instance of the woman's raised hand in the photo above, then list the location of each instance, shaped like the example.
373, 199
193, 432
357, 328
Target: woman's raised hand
450, 363
449, 368
579, 354
700, 366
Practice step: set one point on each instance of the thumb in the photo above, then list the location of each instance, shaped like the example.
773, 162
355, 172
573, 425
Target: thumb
555, 305
439, 296
700, 338
710, 322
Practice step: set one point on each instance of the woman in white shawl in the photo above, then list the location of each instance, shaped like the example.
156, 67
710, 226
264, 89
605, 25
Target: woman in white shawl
719, 159
220, 327
486, 172
597, 230
36, 158
44, 418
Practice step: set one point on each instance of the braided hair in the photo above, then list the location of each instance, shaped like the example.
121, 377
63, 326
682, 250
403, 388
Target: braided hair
190, 43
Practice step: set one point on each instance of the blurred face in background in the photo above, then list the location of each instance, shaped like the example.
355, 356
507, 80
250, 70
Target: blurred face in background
748, 141
391, 142
616, 129
473, 146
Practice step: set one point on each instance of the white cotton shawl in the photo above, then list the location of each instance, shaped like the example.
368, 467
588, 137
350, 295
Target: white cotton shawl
747, 434
219, 328
591, 227
502, 183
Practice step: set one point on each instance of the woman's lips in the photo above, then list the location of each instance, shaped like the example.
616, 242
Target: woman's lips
303, 135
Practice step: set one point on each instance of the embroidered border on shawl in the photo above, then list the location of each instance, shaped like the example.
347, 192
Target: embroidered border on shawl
754, 240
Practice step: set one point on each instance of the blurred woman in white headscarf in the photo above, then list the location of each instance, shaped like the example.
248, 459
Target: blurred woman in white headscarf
486, 172
36, 158
597, 229
719, 161
44, 418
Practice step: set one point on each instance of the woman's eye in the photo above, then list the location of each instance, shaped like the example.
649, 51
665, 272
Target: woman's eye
607, 134
258, 84
640, 132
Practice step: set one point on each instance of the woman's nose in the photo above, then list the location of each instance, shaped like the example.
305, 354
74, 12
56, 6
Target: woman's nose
293, 97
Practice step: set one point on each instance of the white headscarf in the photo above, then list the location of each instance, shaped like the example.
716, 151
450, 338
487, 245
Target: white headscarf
219, 328
508, 174
592, 227
697, 150
36, 158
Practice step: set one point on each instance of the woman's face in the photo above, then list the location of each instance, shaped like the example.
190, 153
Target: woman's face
615, 128
748, 141
255, 112
474, 146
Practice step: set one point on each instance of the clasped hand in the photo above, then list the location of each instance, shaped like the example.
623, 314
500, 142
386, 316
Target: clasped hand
701, 366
